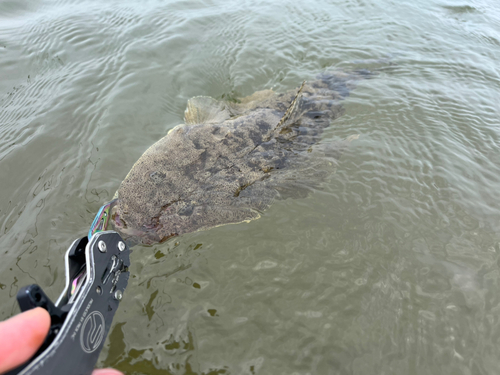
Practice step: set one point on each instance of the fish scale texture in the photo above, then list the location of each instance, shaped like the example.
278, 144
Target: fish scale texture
230, 161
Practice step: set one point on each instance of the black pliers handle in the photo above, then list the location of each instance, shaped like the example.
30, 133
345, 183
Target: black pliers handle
96, 276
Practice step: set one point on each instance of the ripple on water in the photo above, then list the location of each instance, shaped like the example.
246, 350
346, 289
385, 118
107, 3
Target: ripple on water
391, 266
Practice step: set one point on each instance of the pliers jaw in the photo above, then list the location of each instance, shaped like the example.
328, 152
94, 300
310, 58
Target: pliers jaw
102, 219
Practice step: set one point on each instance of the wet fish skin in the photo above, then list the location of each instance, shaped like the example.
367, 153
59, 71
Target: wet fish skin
230, 161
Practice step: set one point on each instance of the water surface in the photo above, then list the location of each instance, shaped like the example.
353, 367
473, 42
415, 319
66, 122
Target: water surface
392, 267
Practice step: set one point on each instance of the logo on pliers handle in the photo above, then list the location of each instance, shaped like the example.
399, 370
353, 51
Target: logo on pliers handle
92, 332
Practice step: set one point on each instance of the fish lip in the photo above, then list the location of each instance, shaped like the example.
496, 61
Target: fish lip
112, 205
115, 216
145, 234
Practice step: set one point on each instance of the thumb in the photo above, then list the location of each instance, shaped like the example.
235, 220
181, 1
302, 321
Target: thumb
22, 335
106, 371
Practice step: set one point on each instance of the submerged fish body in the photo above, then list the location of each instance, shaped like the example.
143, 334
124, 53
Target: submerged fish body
230, 161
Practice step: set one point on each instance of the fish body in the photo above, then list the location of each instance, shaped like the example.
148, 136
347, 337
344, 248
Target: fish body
230, 161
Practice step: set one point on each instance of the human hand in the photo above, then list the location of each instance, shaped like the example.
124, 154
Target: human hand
23, 334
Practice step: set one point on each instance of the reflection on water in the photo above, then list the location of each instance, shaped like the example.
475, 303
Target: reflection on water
390, 266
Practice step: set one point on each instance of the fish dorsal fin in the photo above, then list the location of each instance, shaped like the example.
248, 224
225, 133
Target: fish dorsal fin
290, 111
205, 110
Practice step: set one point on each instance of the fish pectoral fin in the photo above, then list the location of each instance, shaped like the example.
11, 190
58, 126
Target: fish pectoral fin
291, 110
205, 110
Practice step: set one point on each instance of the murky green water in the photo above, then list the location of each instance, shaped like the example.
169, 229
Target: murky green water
391, 268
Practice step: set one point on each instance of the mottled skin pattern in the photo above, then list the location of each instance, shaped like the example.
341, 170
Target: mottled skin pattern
234, 164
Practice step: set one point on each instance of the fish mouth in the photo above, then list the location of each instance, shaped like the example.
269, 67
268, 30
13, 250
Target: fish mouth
115, 217
146, 234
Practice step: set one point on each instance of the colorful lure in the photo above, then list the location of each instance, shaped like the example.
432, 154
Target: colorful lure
101, 220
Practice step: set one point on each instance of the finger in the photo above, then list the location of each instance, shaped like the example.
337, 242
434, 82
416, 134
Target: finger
106, 371
21, 336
